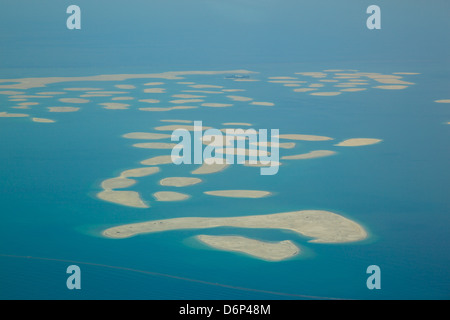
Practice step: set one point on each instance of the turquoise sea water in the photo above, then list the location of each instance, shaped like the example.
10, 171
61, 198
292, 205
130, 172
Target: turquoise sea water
397, 189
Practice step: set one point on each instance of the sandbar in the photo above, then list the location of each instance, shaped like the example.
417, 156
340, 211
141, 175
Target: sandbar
310, 155
114, 105
153, 83
13, 115
157, 160
154, 145
155, 90
304, 89
181, 101
149, 100
353, 89
326, 94
304, 137
442, 101
356, 142
125, 86
63, 109
170, 196
126, 198
270, 251
393, 87
74, 100
146, 135
204, 86
122, 98
238, 193
43, 120
82, 89
179, 181
261, 103
216, 105
322, 226
210, 168
117, 183
187, 96
239, 98
139, 172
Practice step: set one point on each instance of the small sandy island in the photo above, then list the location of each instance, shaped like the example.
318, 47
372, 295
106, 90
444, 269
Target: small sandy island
304, 137
63, 109
179, 181
126, 198
146, 135
210, 168
356, 142
154, 145
322, 226
170, 196
43, 120
310, 155
157, 160
442, 101
271, 251
239, 193
13, 115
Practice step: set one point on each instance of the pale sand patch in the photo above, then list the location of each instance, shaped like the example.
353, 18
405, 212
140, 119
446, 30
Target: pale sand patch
239, 98
157, 160
393, 87
204, 86
245, 80
155, 90
353, 89
304, 89
238, 193
154, 145
117, 183
210, 168
12, 93
17, 99
156, 109
146, 135
114, 105
242, 152
237, 124
13, 115
184, 82
203, 91
179, 126
312, 74
181, 101
232, 90
345, 85
329, 80
126, 198
442, 101
184, 107
287, 81
291, 85
310, 155
170, 196
43, 120
176, 120
149, 100
216, 105
187, 96
31, 97
322, 226
21, 107
391, 81
326, 94
94, 95
261, 103
282, 78
304, 137
107, 92
51, 93
153, 83
283, 145
74, 100
122, 98
125, 86
316, 85
406, 73
63, 109
179, 181
82, 89
259, 164
356, 142
139, 172
220, 140
270, 251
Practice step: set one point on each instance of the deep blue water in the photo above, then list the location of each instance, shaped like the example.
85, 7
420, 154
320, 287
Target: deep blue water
397, 189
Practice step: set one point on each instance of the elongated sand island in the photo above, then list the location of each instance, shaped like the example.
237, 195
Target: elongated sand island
321, 226
271, 251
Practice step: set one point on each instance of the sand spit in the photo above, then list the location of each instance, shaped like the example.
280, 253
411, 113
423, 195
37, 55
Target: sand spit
210, 168
170, 196
43, 120
13, 115
155, 90
304, 89
270, 251
179, 181
393, 87
74, 100
125, 86
356, 142
261, 103
149, 100
325, 94
322, 226
154, 145
157, 160
353, 89
239, 98
63, 109
126, 198
304, 137
146, 135
238, 193
216, 105
442, 101
153, 83
310, 155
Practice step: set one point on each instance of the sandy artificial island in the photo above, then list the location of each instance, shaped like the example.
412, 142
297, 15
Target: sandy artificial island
322, 226
179, 181
356, 142
271, 251
170, 196
239, 193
